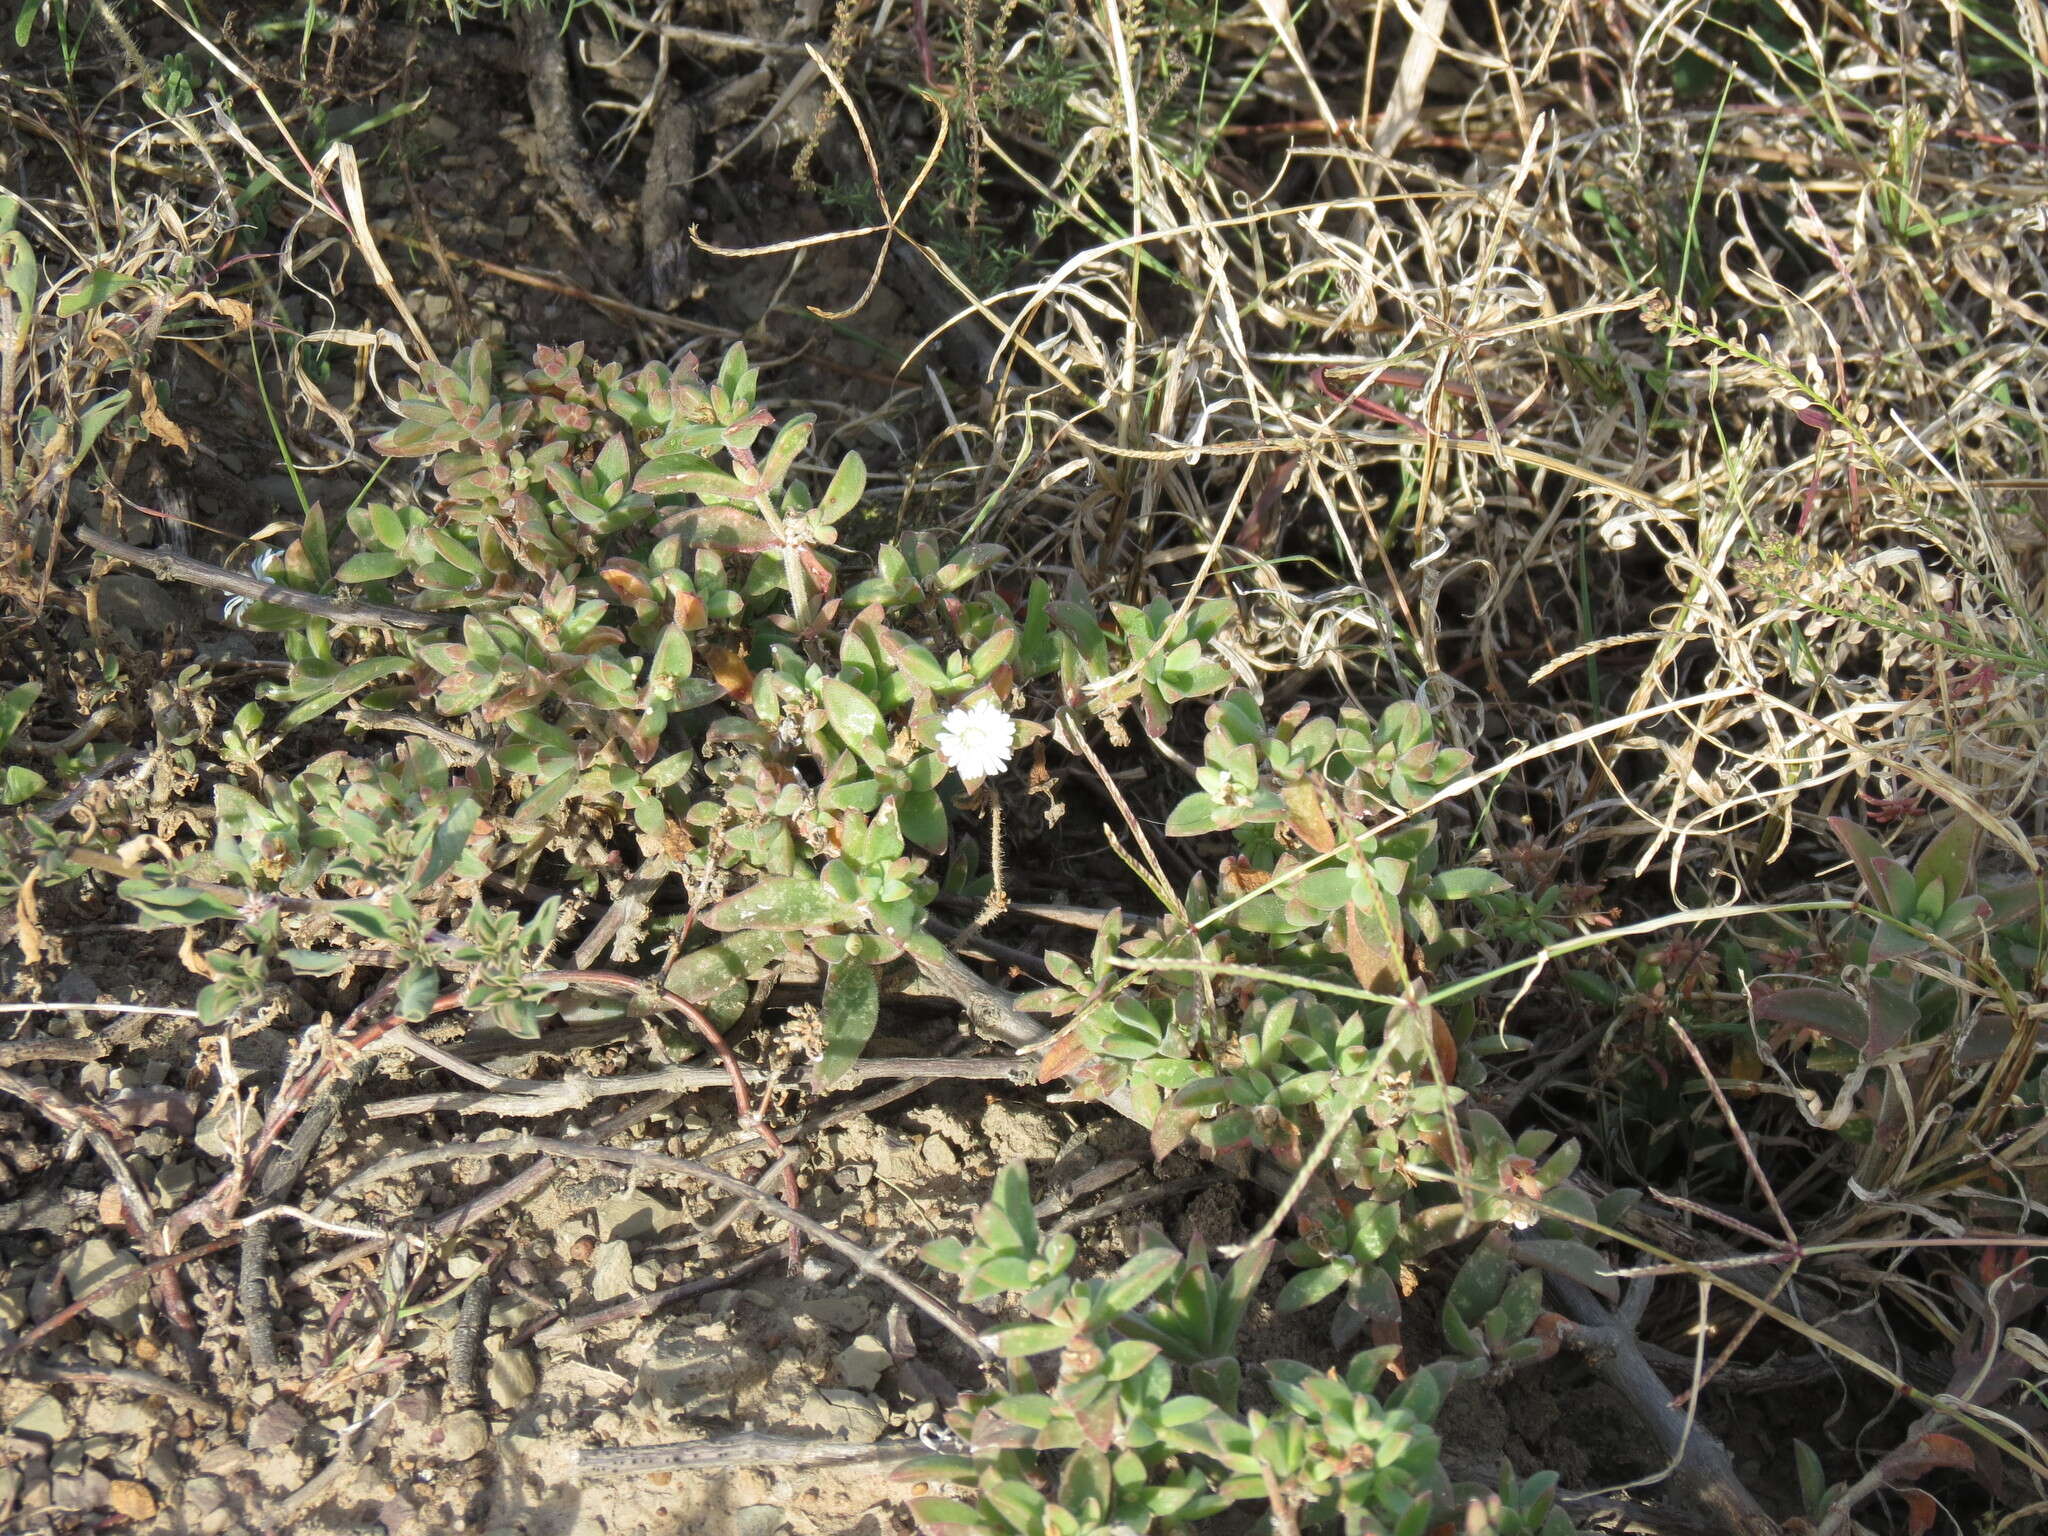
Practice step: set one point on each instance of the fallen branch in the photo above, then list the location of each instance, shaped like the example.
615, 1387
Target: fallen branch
173, 566
748, 1448
1700, 1467
577, 1092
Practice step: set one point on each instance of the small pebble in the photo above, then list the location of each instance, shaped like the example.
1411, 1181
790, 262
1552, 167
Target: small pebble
278, 1424
45, 1417
862, 1362
611, 1275
635, 1216
96, 1261
131, 1499
464, 1435
513, 1376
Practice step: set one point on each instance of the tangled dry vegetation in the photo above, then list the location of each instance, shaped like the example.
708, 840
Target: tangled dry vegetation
1491, 560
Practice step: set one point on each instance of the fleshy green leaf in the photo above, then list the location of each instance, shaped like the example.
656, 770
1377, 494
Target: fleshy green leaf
783, 902
18, 784
851, 1006
854, 716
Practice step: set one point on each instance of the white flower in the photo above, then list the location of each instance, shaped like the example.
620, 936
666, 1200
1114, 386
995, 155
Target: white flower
976, 741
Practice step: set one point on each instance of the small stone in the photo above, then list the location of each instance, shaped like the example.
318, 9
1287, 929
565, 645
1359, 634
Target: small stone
630, 1218
758, 1520
279, 1424
849, 1415
512, 1377
611, 1271
173, 1183
693, 1368
80, 1491
14, 1307
123, 1416
163, 1467
218, 1128
131, 1499
96, 1261
862, 1362
226, 1459
842, 1314
44, 1418
464, 1435
939, 1155
201, 1496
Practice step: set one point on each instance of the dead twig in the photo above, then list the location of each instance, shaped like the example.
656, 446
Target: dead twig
1699, 1465
576, 1092
748, 1448
558, 134
176, 567
139, 1215
708, 1032
466, 1340
106, 1288
14, 1053
252, 1284
522, 1184
653, 1301
148, 1383
653, 1162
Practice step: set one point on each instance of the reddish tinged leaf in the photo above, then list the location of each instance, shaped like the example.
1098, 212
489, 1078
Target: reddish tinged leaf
720, 528
1376, 967
1923, 1454
1176, 1122
1305, 815
730, 671
1946, 1451
1065, 1055
627, 580
1920, 1511
1445, 1045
